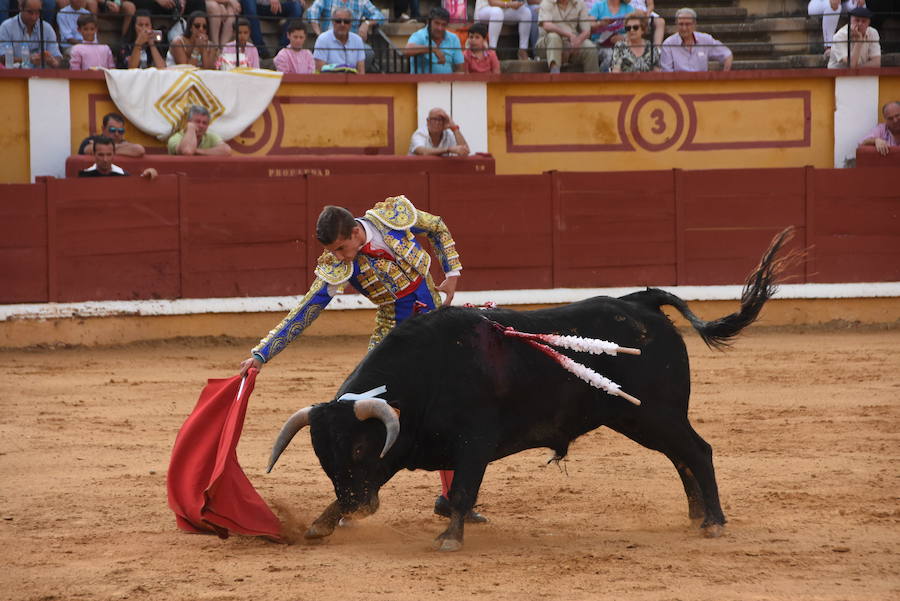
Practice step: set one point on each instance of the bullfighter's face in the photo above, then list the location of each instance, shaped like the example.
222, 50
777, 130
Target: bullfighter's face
346, 249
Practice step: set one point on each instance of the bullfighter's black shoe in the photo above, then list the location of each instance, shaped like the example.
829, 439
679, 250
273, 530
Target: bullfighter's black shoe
442, 508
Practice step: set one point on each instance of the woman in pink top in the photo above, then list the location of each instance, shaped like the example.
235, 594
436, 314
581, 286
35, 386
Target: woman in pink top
90, 54
294, 59
240, 53
478, 57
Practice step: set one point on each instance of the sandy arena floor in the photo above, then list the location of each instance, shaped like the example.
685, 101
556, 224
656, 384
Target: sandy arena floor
805, 425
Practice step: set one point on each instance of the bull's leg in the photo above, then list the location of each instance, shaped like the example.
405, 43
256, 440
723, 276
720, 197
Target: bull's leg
463, 494
325, 523
696, 507
676, 439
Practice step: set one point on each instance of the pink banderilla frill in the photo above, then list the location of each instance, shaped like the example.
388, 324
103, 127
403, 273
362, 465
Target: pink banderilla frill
592, 346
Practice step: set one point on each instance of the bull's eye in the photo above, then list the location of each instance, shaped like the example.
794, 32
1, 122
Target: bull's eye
358, 451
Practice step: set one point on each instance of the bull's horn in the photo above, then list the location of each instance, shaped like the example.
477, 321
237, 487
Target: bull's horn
379, 409
294, 424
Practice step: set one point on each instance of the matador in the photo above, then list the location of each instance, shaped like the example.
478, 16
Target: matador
379, 256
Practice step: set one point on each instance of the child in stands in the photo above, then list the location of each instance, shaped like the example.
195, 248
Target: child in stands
294, 58
89, 54
478, 57
67, 21
241, 52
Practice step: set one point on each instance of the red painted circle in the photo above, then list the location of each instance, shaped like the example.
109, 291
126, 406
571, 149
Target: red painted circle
260, 143
636, 132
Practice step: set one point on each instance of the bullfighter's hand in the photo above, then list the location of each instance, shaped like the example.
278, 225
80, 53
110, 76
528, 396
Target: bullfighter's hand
150, 173
246, 364
448, 287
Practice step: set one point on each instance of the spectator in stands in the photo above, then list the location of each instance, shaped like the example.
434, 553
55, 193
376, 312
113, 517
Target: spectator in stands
887, 134
124, 9
239, 53
295, 58
169, 7
193, 47
534, 7
104, 149
565, 27
221, 15
634, 53
830, 11
90, 54
609, 27
865, 46
139, 49
32, 46
114, 129
440, 137
657, 22
433, 49
690, 50
365, 16
290, 10
478, 57
404, 10
339, 48
67, 21
495, 12
194, 139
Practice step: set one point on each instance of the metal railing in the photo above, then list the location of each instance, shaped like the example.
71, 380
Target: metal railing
386, 57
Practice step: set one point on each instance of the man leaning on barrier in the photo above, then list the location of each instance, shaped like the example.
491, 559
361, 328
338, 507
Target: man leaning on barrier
885, 135
194, 139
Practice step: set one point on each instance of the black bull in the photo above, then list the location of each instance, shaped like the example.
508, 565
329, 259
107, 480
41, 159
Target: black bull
461, 394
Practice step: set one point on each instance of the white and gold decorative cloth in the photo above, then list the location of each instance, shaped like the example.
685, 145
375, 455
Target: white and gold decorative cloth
156, 100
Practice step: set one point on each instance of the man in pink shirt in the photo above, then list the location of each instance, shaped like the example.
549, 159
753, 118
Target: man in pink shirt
89, 53
887, 134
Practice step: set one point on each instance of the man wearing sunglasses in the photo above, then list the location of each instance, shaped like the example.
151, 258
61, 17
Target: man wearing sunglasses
339, 47
114, 129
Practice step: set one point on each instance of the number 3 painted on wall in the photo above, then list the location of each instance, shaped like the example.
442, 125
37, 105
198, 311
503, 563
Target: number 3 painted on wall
659, 123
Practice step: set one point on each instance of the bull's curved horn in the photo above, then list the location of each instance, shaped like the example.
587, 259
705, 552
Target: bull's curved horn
294, 424
380, 410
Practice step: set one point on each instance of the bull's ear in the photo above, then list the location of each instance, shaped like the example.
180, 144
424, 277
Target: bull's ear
379, 409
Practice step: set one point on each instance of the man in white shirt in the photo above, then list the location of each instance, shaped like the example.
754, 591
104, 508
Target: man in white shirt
440, 137
865, 48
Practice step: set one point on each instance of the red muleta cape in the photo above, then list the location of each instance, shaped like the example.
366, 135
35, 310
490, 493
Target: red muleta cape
208, 490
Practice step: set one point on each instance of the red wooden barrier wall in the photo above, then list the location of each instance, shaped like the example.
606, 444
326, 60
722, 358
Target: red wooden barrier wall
74, 240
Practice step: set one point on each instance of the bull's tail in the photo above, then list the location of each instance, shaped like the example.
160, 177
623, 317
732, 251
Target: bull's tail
760, 286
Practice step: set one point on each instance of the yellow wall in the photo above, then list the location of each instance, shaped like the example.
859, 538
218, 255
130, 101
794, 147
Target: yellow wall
15, 166
888, 91
321, 116
355, 116
534, 127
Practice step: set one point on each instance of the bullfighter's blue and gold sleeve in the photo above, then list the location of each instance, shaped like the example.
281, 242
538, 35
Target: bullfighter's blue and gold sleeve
316, 299
436, 231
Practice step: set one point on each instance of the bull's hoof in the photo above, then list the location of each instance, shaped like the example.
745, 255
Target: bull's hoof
442, 508
317, 531
447, 544
713, 530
